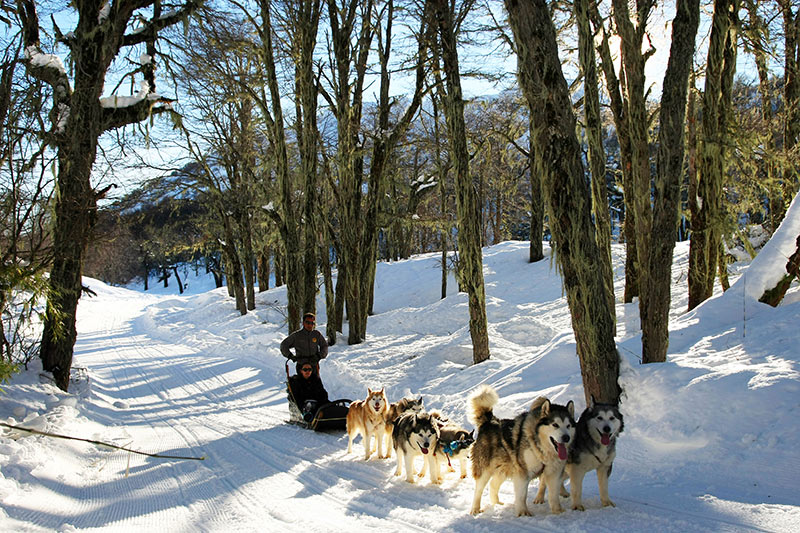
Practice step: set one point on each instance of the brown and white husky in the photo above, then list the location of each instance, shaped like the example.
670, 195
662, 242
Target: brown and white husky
367, 418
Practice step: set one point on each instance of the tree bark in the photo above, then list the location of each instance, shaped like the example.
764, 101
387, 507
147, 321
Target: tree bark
669, 172
597, 154
543, 84
536, 249
707, 225
619, 109
467, 206
94, 44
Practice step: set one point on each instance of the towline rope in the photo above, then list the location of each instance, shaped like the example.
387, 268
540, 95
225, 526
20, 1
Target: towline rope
101, 443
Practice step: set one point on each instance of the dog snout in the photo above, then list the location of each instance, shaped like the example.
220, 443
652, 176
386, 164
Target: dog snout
606, 429
565, 438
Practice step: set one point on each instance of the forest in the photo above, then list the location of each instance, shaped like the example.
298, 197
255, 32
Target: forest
302, 141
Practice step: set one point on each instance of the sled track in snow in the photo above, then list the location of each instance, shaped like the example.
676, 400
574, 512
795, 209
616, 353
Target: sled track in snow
252, 446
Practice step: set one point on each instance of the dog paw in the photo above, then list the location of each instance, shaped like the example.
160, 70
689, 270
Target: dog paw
475, 511
524, 512
578, 507
557, 510
538, 500
463, 476
608, 503
411, 480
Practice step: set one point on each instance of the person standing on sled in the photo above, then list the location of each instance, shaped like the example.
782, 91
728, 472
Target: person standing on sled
309, 344
310, 347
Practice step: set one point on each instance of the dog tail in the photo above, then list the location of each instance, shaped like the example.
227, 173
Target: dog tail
481, 403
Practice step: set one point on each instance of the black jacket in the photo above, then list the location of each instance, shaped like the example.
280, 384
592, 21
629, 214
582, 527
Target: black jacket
303, 390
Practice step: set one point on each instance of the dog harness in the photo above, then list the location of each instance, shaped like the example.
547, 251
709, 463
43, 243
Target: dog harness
452, 448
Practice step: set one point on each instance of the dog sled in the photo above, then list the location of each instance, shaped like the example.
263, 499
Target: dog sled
331, 416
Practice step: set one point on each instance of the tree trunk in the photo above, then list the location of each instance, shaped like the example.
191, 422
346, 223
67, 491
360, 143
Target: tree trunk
467, 205
292, 270
597, 154
545, 88
791, 96
263, 270
93, 46
708, 224
669, 172
536, 249
75, 213
330, 296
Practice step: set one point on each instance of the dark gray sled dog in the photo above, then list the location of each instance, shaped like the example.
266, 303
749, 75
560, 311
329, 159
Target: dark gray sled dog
594, 449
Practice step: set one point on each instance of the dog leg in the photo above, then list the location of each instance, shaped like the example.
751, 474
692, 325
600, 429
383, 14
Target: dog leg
603, 474
424, 466
463, 463
576, 487
521, 495
436, 476
552, 477
379, 438
350, 437
389, 445
494, 489
409, 460
540, 493
480, 484
399, 455
367, 444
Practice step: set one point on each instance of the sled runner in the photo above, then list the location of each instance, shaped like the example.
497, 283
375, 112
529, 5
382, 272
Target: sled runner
330, 416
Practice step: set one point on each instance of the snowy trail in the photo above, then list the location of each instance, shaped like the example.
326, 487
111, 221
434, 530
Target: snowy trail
187, 376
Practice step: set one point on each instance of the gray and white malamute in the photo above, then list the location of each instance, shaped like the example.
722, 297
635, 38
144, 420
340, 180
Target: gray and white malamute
396, 409
455, 442
533, 444
416, 434
594, 449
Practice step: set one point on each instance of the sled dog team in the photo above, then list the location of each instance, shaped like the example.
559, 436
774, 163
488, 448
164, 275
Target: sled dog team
543, 442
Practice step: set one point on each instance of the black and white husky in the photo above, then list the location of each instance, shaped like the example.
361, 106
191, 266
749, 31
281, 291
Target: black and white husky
416, 434
455, 442
594, 449
533, 444
396, 410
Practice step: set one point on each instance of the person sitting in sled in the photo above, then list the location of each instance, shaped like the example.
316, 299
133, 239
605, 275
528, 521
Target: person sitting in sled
309, 344
307, 390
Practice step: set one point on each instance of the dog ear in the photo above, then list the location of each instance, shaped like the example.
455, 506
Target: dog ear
369, 391
545, 407
571, 408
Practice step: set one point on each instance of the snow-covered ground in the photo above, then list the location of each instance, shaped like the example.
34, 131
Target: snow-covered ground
711, 441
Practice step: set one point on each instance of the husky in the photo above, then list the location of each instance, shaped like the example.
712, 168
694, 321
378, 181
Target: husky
594, 448
416, 434
534, 443
454, 443
396, 409
367, 417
